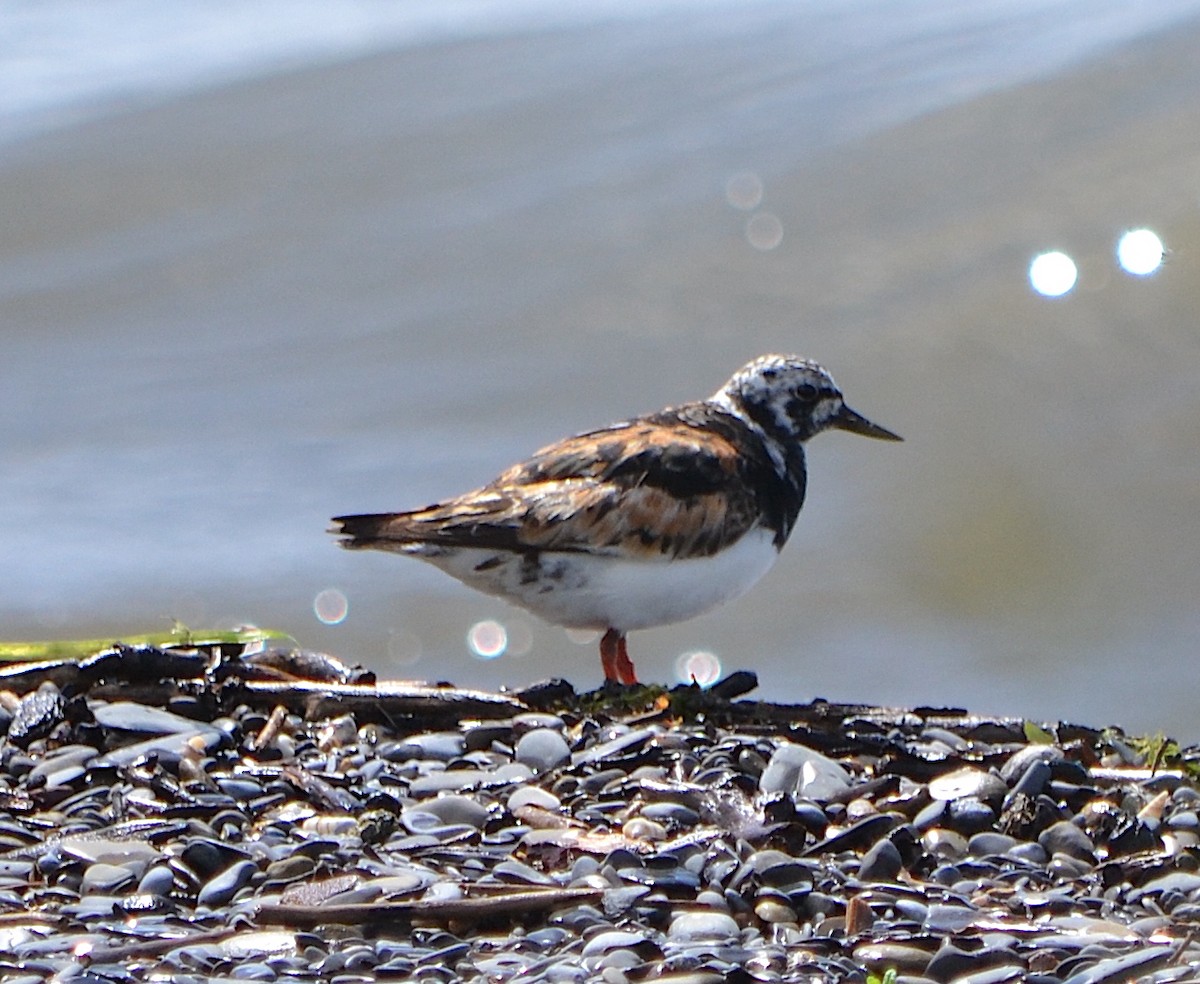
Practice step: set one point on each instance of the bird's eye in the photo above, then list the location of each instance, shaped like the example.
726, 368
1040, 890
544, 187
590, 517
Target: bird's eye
806, 392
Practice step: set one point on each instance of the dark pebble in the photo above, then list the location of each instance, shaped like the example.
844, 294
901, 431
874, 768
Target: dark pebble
223, 887
1033, 780
881, 863
1065, 838
990, 843
970, 815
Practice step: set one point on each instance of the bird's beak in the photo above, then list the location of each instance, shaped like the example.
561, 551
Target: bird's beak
856, 423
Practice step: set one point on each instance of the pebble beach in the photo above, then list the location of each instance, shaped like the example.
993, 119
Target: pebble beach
212, 815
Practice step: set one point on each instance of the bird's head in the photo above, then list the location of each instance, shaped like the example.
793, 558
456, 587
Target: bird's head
793, 398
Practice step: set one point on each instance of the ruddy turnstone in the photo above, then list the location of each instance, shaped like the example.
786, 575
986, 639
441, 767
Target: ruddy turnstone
645, 522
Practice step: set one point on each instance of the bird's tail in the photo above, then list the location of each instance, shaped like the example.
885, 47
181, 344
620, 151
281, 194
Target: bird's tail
370, 531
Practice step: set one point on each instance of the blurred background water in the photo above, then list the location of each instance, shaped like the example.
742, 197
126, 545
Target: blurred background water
263, 263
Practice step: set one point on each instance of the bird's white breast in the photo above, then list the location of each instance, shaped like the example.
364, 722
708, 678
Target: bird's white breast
599, 591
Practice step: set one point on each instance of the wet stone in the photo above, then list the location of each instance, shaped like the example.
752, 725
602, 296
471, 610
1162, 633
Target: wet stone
892, 956
35, 715
533, 796
988, 843
1066, 838
542, 749
774, 911
968, 783
221, 888
108, 879
452, 809
613, 940
802, 772
446, 781
674, 815
930, 815
157, 880
1019, 762
702, 927
970, 815
881, 863
61, 766
437, 747
1033, 780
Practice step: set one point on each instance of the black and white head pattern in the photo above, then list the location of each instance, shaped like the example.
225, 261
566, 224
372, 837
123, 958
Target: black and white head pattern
787, 397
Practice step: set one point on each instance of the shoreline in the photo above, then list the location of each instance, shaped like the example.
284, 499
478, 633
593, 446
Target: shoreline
247, 823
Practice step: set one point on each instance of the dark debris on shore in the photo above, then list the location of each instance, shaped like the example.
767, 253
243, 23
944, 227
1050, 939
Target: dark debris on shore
218, 814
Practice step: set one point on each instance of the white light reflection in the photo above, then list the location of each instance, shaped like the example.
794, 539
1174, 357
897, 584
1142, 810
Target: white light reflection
764, 231
1052, 274
403, 647
744, 190
520, 638
1140, 252
331, 607
487, 639
583, 637
701, 667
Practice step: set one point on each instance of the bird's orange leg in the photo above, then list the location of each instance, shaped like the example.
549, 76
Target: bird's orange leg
615, 658
624, 664
609, 644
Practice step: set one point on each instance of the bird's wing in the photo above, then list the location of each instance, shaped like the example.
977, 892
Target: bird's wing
651, 488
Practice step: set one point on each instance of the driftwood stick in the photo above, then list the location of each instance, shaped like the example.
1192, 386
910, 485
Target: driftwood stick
529, 899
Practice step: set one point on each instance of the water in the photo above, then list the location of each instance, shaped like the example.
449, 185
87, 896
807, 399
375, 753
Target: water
292, 267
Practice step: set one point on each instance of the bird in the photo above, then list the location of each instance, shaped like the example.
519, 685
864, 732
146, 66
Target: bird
645, 522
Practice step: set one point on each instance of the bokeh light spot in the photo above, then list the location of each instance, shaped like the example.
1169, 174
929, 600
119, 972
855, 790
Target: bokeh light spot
764, 231
487, 639
520, 638
1140, 252
330, 606
744, 190
583, 637
1052, 274
700, 666
403, 647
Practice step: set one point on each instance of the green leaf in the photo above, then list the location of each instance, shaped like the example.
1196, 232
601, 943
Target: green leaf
1035, 734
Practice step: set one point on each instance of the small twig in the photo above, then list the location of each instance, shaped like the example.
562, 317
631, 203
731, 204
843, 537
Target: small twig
155, 947
268, 731
438, 910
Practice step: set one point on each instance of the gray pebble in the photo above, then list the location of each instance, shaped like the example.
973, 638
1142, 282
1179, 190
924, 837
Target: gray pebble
436, 746
223, 887
894, 956
968, 782
801, 772
970, 815
952, 963
1019, 762
452, 809
944, 918
1031, 852
446, 780
534, 720
1065, 838
692, 927
542, 749
107, 879
611, 940
882, 863
990, 842
533, 796
1033, 780
672, 814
